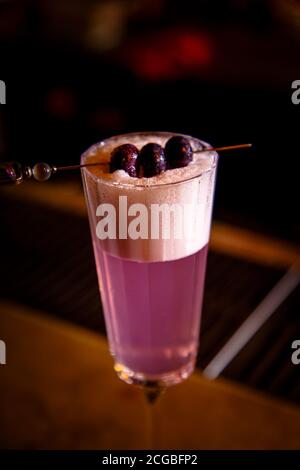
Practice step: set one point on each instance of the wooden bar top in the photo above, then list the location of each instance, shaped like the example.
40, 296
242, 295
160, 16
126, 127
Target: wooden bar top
58, 390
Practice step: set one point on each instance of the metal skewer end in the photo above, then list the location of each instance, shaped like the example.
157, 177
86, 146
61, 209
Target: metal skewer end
224, 149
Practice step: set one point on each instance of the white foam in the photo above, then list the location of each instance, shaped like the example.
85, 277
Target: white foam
191, 186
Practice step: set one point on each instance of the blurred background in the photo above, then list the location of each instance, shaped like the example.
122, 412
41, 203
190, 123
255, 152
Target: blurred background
79, 71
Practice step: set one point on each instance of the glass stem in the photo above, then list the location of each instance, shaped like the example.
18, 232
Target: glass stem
152, 396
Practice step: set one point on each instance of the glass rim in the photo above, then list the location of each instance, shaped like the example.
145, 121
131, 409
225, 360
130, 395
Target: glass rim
118, 184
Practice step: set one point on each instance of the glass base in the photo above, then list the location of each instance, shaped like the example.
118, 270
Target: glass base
161, 381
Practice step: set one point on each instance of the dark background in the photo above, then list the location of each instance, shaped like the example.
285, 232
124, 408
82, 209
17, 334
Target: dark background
79, 71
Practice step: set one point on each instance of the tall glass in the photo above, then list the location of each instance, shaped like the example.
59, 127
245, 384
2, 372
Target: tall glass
150, 246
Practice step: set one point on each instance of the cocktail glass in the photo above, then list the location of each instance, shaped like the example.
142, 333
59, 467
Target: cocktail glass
151, 278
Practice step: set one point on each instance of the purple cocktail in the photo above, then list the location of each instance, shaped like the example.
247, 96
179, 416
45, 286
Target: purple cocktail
150, 239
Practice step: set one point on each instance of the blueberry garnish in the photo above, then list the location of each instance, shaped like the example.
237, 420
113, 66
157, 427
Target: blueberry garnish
125, 157
153, 159
179, 152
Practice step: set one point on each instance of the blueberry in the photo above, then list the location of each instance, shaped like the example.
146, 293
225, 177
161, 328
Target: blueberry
125, 157
153, 159
178, 152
